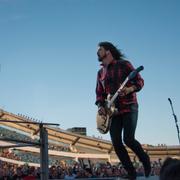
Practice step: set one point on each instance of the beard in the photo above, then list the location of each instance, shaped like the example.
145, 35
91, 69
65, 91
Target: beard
100, 58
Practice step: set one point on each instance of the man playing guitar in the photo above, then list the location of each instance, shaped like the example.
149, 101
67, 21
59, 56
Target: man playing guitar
114, 71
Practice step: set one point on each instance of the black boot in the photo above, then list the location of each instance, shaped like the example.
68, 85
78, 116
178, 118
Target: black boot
147, 166
130, 176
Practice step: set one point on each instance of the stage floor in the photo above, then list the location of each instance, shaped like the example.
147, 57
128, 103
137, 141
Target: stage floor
138, 178
142, 178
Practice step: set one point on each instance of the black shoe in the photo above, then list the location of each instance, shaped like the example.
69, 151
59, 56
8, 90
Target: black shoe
129, 176
147, 167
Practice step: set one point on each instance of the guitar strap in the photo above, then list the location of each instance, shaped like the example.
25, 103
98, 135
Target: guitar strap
116, 76
103, 77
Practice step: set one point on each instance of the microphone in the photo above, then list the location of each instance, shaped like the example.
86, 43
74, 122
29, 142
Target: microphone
170, 101
175, 118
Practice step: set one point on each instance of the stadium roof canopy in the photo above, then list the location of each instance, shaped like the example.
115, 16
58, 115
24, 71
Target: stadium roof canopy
56, 134
83, 144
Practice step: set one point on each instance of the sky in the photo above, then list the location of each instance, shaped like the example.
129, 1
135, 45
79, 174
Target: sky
48, 61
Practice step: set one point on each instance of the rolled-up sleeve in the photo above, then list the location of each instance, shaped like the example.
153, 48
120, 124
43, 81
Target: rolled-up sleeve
138, 81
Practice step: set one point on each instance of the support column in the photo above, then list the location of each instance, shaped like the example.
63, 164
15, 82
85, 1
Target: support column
44, 153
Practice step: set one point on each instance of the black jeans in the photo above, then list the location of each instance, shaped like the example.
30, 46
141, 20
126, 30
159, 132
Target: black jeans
126, 123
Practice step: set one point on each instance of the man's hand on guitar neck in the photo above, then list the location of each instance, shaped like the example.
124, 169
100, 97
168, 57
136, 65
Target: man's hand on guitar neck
127, 90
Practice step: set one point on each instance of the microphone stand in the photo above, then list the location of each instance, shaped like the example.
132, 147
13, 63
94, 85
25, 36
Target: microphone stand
175, 118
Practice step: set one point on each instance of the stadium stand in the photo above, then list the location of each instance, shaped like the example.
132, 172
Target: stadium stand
70, 155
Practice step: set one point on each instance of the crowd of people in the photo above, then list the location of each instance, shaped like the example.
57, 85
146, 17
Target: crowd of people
168, 170
73, 170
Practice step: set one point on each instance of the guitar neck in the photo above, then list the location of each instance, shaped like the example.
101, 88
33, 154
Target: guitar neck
117, 93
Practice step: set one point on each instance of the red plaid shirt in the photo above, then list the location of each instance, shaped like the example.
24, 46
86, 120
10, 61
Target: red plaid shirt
109, 80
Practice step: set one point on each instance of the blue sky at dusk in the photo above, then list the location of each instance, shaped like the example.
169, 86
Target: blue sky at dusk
49, 64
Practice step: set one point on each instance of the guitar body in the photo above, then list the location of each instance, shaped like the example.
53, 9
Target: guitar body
103, 123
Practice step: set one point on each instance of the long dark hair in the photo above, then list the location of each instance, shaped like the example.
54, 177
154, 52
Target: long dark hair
116, 53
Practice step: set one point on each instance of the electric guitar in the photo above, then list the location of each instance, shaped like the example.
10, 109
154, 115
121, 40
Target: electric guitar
104, 121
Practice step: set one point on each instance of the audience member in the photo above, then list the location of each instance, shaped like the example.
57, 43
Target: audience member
170, 169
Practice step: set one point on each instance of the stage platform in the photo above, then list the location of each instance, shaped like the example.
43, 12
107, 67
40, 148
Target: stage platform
138, 178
